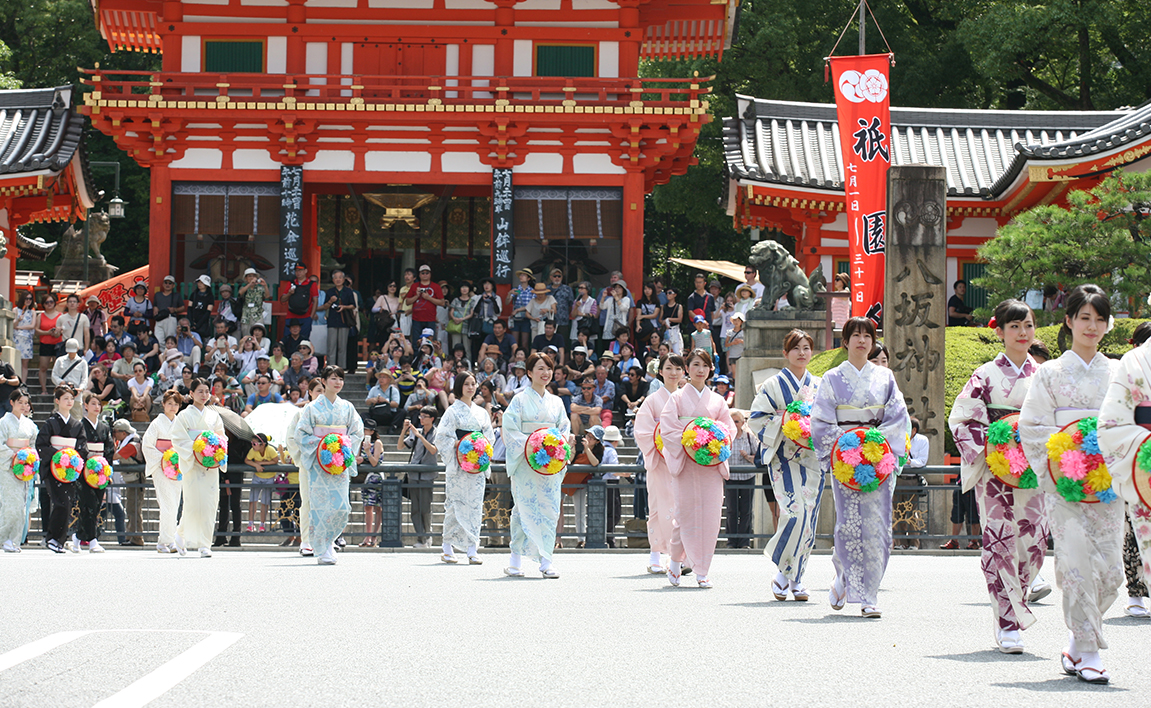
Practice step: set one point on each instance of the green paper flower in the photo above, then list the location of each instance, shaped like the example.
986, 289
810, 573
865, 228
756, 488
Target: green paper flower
1143, 457
1028, 480
870, 486
873, 435
1086, 425
1000, 433
1070, 489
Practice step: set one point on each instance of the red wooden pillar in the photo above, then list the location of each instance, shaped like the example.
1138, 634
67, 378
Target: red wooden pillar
160, 224
631, 250
629, 49
505, 46
297, 56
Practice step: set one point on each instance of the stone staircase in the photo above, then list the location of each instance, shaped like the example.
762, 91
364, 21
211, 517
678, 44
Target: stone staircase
356, 391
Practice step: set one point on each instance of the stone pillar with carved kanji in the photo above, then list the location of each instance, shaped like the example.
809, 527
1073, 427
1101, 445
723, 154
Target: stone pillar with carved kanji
915, 315
915, 303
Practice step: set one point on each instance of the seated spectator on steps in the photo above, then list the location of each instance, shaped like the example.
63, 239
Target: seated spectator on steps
263, 394
384, 402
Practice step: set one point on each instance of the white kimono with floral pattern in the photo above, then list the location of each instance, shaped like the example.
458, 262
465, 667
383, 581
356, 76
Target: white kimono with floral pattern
200, 486
328, 505
464, 492
1088, 537
537, 496
15, 496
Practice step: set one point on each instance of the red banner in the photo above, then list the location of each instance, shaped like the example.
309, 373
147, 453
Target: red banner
863, 108
113, 292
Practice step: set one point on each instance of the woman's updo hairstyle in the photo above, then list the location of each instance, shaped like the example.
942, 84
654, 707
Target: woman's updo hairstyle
1080, 297
1011, 310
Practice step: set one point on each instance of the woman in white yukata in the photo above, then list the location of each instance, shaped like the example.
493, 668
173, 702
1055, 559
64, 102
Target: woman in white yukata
17, 431
200, 485
857, 393
157, 440
796, 477
1088, 537
1014, 518
659, 495
315, 392
328, 504
464, 491
537, 496
697, 490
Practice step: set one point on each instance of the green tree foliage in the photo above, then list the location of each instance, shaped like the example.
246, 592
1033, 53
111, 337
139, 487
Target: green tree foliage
48, 41
1103, 237
8, 79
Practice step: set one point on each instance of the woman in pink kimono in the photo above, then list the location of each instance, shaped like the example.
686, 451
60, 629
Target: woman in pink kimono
697, 490
659, 494
1014, 517
1088, 537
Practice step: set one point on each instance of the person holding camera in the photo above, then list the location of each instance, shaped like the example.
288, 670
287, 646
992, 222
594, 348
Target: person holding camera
301, 295
169, 305
424, 297
340, 305
418, 438
253, 294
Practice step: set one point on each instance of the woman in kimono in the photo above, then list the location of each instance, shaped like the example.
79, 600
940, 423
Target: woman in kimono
537, 496
1088, 537
157, 440
796, 478
857, 393
200, 485
1014, 519
328, 504
464, 492
697, 491
17, 431
60, 431
100, 444
659, 495
300, 501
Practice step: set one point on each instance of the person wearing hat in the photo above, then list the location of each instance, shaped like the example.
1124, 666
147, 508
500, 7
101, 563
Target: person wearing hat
292, 338
253, 294
579, 368
71, 368
311, 363
171, 371
201, 305
541, 308
228, 309
722, 386
701, 337
263, 368
424, 296
301, 295
74, 324
384, 401
263, 453
518, 382
138, 311
744, 298
518, 299
168, 306
97, 317
733, 343
606, 454
564, 297
616, 309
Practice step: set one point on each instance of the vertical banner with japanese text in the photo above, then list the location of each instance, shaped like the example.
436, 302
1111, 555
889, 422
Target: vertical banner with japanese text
503, 244
863, 109
291, 219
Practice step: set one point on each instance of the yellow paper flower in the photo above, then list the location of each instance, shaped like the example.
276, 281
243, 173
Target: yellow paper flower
715, 446
555, 466
550, 439
220, 454
843, 472
688, 437
198, 446
793, 430
999, 464
472, 457
873, 451
659, 442
1099, 478
1058, 444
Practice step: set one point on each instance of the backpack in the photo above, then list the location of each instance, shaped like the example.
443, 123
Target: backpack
301, 299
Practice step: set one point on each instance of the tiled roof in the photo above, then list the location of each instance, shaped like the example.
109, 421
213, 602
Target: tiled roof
39, 130
786, 143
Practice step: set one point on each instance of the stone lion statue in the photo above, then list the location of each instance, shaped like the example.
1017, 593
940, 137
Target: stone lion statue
72, 240
781, 275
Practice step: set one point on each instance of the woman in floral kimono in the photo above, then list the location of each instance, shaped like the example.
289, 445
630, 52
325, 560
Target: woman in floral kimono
795, 473
1088, 537
857, 393
659, 495
464, 491
157, 440
200, 485
537, 497
1014, 517
17, 431
328, 504
697, 490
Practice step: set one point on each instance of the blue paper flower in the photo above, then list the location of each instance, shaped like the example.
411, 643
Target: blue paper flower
805, 409
1091, 443
1108, 495
718, 433
864, 474
466, 445
484, 459
541, 457
326, 457
724, 453
76, 461
848, 441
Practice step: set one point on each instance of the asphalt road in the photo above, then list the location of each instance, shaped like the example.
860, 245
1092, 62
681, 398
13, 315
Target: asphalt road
401, 629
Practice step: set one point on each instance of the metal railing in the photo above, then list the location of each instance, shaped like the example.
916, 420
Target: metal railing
915, 513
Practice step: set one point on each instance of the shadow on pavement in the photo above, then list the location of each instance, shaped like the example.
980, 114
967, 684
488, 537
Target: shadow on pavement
987, 656
829, 619
1061, 685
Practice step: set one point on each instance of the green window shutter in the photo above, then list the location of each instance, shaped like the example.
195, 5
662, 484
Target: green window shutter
976, 296
565, 61
234, 57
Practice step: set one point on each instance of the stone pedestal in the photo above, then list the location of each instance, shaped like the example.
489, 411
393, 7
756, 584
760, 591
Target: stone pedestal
764, 332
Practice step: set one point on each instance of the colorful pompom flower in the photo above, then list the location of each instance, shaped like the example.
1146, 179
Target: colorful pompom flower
862, 459
797, 423
335, 453
1005, 456
547, 451
474, 453
26, 463
170, 465
706, 442
67, 465
1078, 469
97, 472
210, 450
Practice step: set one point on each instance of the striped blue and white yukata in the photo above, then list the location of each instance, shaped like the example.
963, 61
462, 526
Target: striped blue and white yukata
795, 473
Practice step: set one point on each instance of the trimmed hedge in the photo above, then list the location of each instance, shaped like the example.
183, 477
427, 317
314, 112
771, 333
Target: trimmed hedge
968, 348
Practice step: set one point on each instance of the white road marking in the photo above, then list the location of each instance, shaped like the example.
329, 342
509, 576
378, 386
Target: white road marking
160, 681
34, 649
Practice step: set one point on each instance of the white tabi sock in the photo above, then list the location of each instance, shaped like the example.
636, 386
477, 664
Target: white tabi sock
545, 563
675, 567
515, 560
654, 558
471, 550
448, 549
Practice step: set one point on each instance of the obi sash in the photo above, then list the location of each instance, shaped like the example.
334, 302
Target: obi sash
848, 417
1067, 416
996, 412
322, 430
60, 442
528, 427
1143, 415
163, 445
95, 448
18, 443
